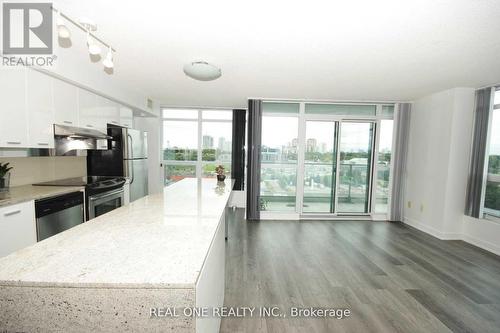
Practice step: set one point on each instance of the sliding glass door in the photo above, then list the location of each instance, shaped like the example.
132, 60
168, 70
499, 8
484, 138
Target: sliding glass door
320, 162
325, 159
346, 188
356, 151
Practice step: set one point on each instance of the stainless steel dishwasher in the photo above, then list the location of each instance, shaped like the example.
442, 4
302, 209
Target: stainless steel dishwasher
56, 214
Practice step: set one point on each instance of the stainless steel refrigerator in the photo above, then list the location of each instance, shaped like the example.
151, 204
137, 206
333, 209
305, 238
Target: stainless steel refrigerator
135, 162
127, 156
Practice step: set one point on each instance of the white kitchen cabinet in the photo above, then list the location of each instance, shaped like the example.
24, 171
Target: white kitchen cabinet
40, 105
13, 124
108, 112
65, 103
17, 227
126, 117
88, 111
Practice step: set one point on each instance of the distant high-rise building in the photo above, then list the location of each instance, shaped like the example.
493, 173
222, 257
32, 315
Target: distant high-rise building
311, 145
221, 143
207, 142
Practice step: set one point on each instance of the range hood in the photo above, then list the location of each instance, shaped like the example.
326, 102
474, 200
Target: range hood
79, 133
69, 139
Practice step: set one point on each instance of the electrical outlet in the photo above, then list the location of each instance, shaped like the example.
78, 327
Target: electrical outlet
421, 207
409, 204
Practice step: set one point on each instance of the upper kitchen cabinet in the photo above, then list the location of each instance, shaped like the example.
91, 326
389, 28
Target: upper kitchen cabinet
65, 103
13, 125
126, 116
88, 112
40, 105
108, 112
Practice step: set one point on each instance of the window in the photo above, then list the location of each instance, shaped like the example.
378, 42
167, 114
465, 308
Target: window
387, 111
492, 191
341, 109
278, 172
195, 142
383, 166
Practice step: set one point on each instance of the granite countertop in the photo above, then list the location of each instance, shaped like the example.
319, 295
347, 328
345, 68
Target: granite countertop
24, 193
159, 241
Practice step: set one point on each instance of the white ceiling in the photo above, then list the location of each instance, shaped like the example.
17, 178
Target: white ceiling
338, 50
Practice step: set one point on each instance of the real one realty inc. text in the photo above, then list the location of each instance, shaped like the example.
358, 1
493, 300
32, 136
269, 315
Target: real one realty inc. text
247, 311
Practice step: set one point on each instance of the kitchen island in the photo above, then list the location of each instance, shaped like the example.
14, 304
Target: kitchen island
109, 274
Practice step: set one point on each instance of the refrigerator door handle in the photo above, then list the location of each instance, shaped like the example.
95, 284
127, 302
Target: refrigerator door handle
132, 168
131, 156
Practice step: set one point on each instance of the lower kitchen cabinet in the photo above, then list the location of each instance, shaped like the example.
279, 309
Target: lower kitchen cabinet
17, 227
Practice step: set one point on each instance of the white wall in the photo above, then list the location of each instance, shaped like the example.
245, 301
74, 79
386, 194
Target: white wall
428, 162
438, 162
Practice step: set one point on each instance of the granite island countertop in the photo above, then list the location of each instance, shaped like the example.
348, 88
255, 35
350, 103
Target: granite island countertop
18, 194
159, 241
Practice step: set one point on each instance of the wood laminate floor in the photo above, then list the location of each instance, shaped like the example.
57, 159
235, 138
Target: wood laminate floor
392, 277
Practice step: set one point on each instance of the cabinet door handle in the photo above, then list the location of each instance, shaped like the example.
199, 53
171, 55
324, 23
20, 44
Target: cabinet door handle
114, 122
89, 125
12, 213
43, 143
14, 142
67, 122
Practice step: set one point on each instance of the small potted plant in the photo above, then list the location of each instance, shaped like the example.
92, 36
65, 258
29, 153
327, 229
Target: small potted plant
220, 173
4, 176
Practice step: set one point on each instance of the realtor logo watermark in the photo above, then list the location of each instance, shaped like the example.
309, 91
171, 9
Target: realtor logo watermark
27, 34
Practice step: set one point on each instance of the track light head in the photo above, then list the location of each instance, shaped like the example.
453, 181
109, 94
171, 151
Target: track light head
108, 61
62, 29
94, 49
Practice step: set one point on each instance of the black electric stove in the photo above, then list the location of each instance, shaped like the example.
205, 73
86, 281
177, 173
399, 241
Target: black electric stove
93, 184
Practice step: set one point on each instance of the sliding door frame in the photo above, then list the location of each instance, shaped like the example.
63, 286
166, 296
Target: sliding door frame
336, 120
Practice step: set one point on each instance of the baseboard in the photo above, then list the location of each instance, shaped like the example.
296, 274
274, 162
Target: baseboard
279, 216
485, 245
433, 231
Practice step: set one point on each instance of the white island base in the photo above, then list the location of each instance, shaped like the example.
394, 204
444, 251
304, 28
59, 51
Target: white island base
160, 253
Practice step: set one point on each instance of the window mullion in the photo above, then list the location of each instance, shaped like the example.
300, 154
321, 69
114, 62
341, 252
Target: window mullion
200, 150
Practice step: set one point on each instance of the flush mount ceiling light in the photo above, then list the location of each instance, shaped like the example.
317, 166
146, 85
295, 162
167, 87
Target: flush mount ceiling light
202, 71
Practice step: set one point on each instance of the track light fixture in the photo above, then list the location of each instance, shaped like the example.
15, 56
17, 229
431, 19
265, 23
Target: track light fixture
89, 27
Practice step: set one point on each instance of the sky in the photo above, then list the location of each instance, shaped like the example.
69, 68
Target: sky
184, 134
